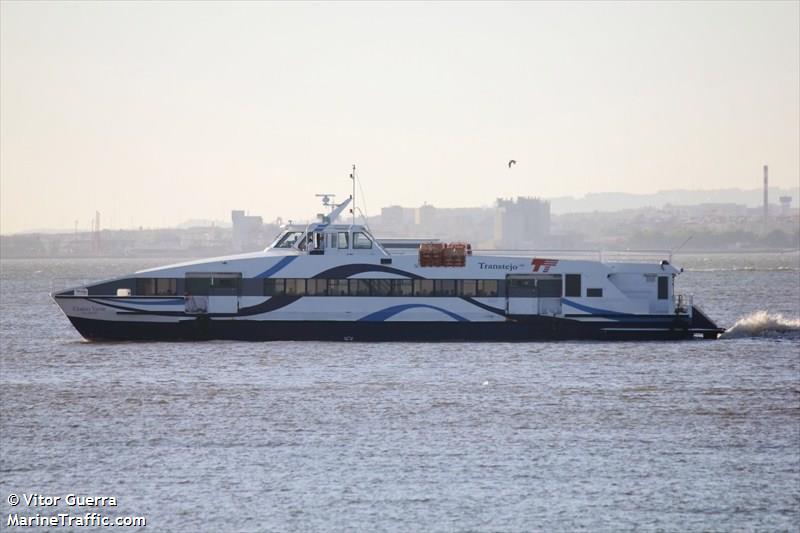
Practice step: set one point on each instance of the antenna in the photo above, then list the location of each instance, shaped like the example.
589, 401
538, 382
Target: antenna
679, 247
326, 200
353, 209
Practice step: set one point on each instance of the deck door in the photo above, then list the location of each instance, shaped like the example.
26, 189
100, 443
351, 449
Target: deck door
213, 292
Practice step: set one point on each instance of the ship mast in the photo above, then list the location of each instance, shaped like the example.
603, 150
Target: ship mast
353, 208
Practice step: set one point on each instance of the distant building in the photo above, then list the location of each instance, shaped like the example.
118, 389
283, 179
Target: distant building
425, 215
396, 216
247, 231
786, 205
521, 223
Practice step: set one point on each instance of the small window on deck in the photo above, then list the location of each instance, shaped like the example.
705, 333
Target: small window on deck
663, 287
572, 285
594, 293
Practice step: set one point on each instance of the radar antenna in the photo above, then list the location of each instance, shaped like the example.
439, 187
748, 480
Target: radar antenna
326, 200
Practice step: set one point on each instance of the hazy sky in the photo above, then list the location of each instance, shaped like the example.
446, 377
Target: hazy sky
154, 113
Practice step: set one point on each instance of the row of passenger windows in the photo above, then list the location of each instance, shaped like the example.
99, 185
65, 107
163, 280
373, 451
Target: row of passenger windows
522, 287
156, 286
382, 287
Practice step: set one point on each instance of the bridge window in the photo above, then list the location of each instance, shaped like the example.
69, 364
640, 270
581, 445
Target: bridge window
361, 241
342, 242
572, 285
594, 293
289, 239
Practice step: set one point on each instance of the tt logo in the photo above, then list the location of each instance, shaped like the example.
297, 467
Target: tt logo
543, 264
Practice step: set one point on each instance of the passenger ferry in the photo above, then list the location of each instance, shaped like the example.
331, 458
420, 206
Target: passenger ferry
336, 282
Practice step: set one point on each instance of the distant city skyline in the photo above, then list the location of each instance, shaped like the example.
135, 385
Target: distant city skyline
603, 202
155, 113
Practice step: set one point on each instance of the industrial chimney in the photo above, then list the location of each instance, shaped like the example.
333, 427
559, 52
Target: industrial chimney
766, 198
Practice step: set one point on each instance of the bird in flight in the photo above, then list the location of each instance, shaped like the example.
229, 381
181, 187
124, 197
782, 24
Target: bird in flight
511, 162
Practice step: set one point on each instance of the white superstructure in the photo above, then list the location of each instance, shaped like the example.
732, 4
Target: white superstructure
328, 280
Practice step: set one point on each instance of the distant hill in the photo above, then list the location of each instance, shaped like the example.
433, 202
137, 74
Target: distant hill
615, 201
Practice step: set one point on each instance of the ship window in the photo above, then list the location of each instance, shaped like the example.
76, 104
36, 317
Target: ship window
380, 287
445, 287
226, 283
145, 286
361, 241
166, 286
663, 287
337, 287
468, 287
198, 286
572, 285
317, 287
402, 287
359, 287
423, 287
594, 293
289, 239
342, 240
487, 287
295, 286
522, 288
274, 286
549, 288
156, 286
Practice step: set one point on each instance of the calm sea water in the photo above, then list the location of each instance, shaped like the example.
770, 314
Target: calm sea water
226, 436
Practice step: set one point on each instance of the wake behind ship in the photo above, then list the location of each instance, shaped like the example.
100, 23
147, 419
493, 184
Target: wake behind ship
330, 281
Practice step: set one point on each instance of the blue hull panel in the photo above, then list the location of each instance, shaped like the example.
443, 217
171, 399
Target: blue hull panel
531, 328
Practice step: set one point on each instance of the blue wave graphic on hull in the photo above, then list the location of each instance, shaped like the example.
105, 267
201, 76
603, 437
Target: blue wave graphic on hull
145, 301
593, 310
380, 316
276, 267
